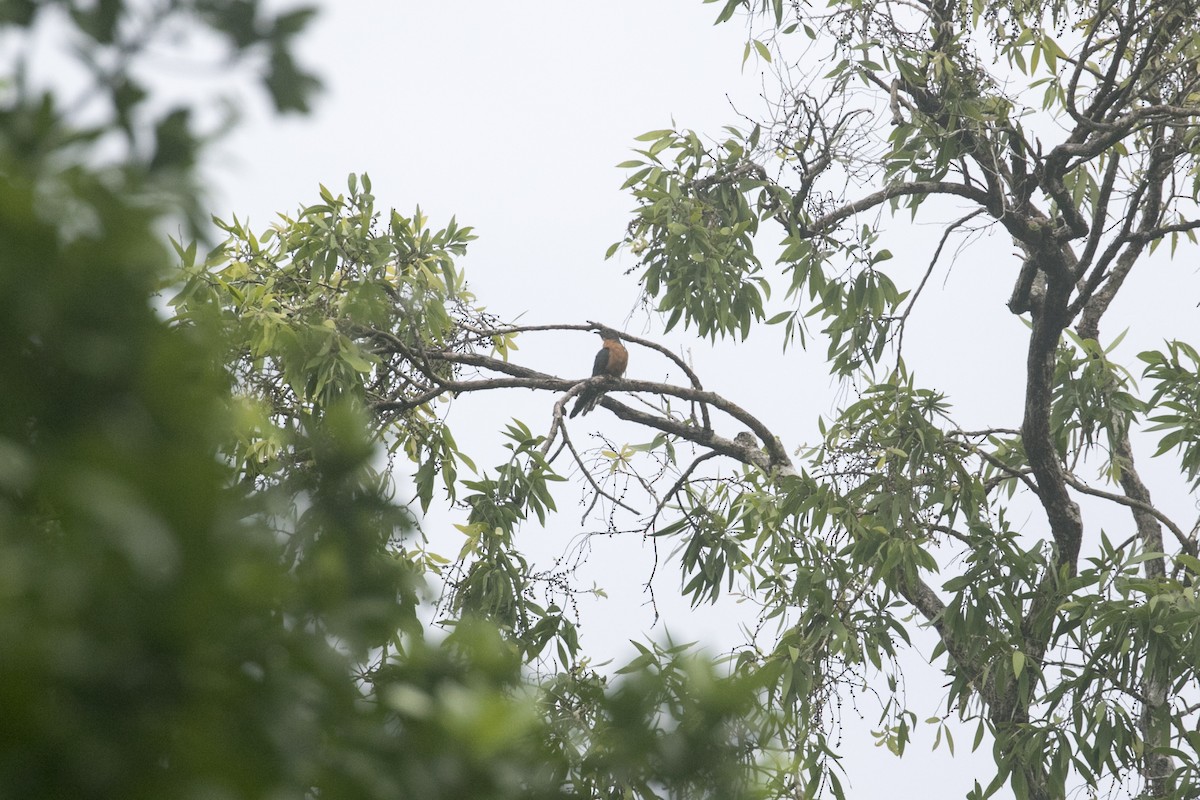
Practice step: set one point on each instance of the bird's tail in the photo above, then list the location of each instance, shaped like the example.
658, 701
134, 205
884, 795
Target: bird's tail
586, 401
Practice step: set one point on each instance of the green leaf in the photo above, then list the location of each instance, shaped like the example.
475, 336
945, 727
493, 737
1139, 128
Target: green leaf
651, 136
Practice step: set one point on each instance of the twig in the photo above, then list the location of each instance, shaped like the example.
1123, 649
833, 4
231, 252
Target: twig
1022, 475
929, 271
675, 488
985, 432
588, 474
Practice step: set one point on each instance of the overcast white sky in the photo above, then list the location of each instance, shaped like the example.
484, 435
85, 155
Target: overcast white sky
511, 116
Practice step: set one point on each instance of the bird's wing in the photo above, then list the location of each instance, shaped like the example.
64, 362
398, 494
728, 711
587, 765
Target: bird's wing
600, 365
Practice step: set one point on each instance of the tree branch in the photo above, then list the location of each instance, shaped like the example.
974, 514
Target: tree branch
925, 600
899, 190
1135, 501
593, 326
771, 456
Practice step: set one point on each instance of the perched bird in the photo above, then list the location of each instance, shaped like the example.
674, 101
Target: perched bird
611, 360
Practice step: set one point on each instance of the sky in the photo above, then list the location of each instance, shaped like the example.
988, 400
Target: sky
512, 116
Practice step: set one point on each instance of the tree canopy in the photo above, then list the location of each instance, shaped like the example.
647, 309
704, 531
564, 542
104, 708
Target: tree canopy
238, 559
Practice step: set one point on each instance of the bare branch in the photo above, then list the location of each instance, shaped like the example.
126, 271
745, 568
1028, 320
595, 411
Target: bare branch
1099, 214
1151, 234
1135, 120
592, 326
1189, 547
827, 221
929, 271
771, 457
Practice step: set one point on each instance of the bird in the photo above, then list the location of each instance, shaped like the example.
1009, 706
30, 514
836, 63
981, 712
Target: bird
611, 360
